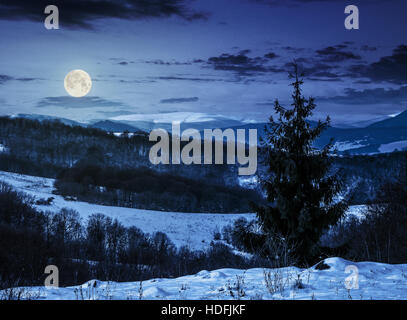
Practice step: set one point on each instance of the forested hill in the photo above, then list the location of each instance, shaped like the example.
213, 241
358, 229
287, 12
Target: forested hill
43, 147
96, 166
364, 175
85, 158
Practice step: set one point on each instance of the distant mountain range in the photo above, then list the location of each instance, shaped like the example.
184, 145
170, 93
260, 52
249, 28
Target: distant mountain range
383, 136
399, 121
42, 117
113, 126
193, 120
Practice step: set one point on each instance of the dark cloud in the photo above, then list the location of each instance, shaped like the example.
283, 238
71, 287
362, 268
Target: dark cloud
324, 65
336, 54
314, 70
136, 81
325, 79
388, 69
293, 50
185, 78
167, 63
363, 81
271, 55
245, 51
4, 78
27, 79
226, 61
242, 64
81, 13
71, 102
179, 100
121, 61
304, 60
368, 48
341, 46
369, 96
298, 2
325, 76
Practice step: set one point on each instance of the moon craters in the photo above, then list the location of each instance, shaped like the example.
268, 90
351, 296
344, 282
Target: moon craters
78, 83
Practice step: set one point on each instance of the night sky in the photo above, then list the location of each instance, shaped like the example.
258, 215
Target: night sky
215, 57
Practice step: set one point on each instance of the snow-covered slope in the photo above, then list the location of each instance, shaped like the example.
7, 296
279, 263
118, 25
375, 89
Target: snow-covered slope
393, 146
188, 117
374, 281
192, 229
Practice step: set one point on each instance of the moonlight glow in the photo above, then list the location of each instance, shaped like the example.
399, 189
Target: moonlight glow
78, 83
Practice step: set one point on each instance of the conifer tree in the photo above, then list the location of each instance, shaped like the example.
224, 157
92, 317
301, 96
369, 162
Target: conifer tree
301, 191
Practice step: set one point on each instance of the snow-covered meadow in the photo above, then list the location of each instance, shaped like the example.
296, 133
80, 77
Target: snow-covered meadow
375, 280
195, 230
361, 281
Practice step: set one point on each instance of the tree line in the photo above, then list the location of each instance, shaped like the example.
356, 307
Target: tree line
145, 188
96, 248
46, 148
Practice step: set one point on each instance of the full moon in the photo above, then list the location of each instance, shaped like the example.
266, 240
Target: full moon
78, 83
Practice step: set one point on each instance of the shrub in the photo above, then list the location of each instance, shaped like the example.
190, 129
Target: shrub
381, 234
